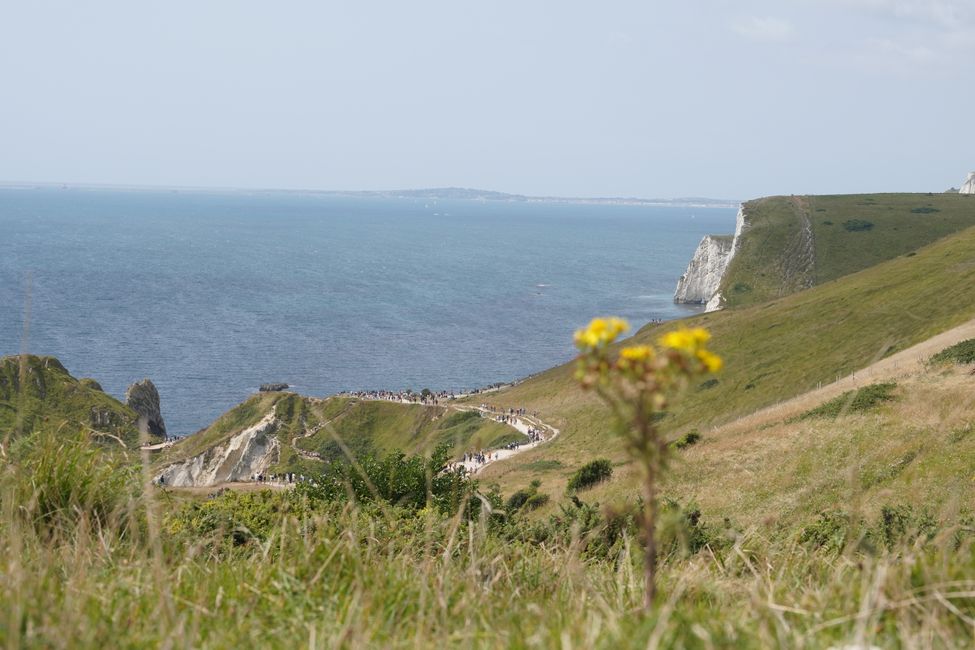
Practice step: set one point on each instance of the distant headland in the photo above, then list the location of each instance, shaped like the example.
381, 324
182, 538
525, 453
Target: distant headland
433, 194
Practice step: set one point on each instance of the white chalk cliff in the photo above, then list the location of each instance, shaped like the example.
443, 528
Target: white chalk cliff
701, 283
247, 453
969, 185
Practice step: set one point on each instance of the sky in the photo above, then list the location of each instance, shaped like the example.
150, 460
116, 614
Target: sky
653, 98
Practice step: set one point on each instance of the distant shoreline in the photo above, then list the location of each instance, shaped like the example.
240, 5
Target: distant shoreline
432, 194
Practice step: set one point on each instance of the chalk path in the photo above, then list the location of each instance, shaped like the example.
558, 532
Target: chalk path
520, 423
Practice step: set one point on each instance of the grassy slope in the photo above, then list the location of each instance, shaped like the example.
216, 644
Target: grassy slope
773, 351
363, 426
771, 262
387, 426
52, 399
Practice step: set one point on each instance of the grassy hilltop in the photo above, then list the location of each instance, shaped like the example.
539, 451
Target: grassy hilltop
312, 431
796, 242
826, 500
40, 395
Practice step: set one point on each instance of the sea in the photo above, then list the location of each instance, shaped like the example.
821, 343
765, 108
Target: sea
211, 294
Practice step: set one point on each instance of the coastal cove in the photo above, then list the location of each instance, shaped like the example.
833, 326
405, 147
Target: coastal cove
211, 294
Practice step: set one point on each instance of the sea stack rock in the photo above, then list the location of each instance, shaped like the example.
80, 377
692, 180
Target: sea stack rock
143, 398
273, 388
969, 186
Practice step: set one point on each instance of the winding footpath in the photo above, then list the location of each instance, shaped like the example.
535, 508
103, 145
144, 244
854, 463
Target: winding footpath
520, 423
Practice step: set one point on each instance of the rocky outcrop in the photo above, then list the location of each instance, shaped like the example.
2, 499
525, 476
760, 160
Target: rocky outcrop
143, 398
272, 388
703, 276
701, 283
242, 456
969, 185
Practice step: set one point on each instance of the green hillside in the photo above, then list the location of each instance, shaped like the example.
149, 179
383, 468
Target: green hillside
50, 399
796, 242
772, 351
313, 431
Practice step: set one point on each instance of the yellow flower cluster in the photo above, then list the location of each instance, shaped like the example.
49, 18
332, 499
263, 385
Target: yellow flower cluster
601, 331
686, 339
637, 353
692, 341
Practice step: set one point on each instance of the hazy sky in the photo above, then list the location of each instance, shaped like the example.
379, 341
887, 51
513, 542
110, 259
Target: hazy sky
648, 98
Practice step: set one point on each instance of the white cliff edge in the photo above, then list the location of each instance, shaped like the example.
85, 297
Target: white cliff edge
968, 187
701, 283
249, 452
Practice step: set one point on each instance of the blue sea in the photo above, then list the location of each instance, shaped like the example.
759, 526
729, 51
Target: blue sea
210, 294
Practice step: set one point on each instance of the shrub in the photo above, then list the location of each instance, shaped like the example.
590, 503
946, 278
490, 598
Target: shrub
857, 225
829, 531
710, 383
853, 401
529, 498
396, 479
963, 352
924, 210
692, 437
590, 474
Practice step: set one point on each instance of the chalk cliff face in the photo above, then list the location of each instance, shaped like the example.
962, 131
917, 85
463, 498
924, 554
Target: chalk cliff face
701, 282
969, 186
249, 452
143, 398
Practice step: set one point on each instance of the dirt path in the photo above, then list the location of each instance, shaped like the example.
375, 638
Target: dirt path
520, 423
897, 366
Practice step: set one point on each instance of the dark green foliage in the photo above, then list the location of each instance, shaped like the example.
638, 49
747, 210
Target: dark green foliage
827, 223
894, 526
828, 532
858, 401
528, 498
857, 225
590, 474
682, 530
963, 352
900, 524
710, 383
925, 210
690, 438
410, 482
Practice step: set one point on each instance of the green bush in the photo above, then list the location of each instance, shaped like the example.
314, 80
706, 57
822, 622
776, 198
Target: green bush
963, 352
853, 401
692, 437
590, 474
924, 210
536, 501
411, 482
857, 225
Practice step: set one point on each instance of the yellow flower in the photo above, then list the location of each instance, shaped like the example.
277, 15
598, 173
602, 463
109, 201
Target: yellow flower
637, 353
710, 360
685, 339
600, 331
